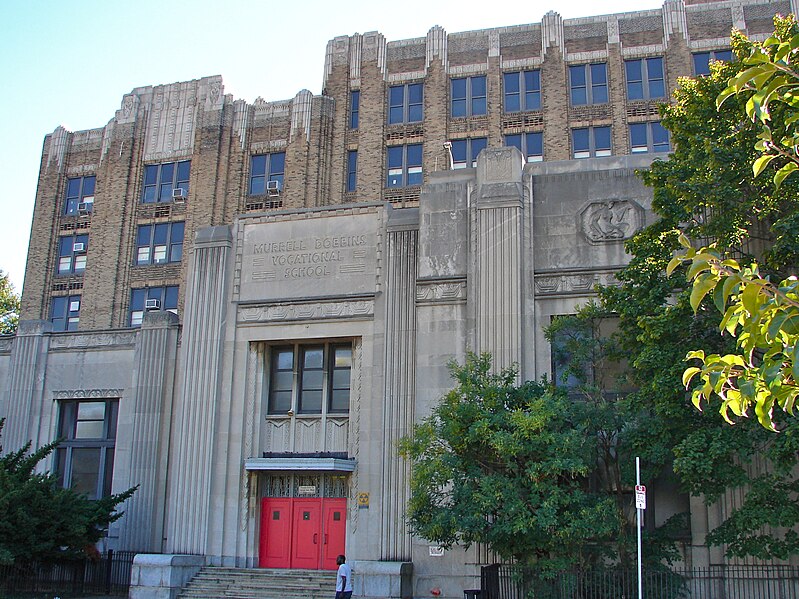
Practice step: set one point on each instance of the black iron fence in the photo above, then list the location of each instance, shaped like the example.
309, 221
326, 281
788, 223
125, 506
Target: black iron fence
716, 582
110, 575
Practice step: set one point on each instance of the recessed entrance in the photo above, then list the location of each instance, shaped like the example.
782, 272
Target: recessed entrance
303, 532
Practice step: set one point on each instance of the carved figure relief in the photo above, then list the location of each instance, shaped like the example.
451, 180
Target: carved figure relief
613, 220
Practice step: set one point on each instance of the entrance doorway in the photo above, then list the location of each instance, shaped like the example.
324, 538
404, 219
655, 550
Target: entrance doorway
302, 533
303, 521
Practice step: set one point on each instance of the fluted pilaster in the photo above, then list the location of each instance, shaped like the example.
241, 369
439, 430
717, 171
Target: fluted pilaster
25, 384
149, 415
195, 412
400, 382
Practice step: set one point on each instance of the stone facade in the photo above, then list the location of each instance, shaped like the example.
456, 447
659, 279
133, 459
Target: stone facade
402, 279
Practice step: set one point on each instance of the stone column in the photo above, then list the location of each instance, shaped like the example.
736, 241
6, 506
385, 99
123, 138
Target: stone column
400, 379
497, 241
195, 409
25, 385
143, 434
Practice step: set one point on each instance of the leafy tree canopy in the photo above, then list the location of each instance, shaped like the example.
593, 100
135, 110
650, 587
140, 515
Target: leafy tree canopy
762, 315
9, 306
516, 467
708, 189
40, 520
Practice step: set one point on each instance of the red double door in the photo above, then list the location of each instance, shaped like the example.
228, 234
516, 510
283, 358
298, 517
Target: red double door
302, 533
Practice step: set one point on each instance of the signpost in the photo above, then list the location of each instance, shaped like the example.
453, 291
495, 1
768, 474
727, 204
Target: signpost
640, 506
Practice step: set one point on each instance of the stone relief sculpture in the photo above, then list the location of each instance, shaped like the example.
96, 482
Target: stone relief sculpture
613, 220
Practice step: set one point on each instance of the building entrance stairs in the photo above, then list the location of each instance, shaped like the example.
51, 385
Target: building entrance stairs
260, 583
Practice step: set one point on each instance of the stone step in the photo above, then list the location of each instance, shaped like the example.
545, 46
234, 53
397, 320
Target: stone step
252, 583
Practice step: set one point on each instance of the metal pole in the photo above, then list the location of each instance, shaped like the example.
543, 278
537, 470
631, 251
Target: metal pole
638, 514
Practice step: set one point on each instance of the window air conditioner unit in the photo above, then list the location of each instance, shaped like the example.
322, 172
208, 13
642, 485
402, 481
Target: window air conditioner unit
273, 188
179, 195
152, 304
78, 247
84, 207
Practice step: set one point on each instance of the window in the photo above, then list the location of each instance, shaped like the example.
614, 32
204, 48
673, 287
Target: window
310, 379
65, 312
355, 108
405, 103
588, 84
645, 79
404, 165
161, 180
159, 244
468, 96
465, 151
702, 60
265, 168
80, 195
522, 91
591, 141
649, 137
72, 254
531, 145
152, 298
352, 170
85, 457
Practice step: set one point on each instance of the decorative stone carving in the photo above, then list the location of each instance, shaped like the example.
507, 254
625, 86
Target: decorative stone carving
611, 220
572, 282
441, 292
88, 393
81, 341
306, 311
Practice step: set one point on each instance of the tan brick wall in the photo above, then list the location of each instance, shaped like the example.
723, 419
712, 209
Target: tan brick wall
228, 133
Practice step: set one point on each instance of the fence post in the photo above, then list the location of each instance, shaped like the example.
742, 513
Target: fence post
108, 569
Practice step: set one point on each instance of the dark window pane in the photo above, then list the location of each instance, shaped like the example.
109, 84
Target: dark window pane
277, 163
459, 150
511, 82
515, 141
284, 359
151, 174
580, 138
415, 93
312, 358
143, 236
415, 155
73, 188
280, 401
341, 378
282, 380
171, 298
342, 357
183, 170
161, 230
258, 165
88, 186
478, 86
311, 402
395, 157
458, 108
577, 76
478, 145
535, 144
602, 138
340, 400
86, 470
312, 380
638, 135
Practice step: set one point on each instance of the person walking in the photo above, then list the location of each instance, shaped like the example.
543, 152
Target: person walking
343, 579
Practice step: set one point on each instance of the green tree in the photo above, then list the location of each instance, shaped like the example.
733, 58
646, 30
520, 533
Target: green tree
39, 519
762, 315
516, 467
707, 188
9, 306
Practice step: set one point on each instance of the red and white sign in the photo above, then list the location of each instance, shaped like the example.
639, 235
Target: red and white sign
640, 497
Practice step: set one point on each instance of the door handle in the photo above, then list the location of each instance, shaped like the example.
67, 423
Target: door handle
314, 538
325, 539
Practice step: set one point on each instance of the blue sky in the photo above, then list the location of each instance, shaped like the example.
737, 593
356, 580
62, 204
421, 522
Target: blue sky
70, 62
